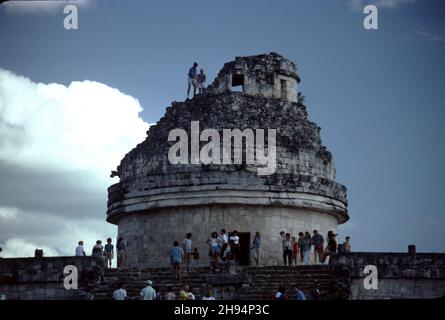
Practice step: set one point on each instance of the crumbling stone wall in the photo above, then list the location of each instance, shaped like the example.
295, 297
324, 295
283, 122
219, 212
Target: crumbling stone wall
42, 278
266, 75
400, 275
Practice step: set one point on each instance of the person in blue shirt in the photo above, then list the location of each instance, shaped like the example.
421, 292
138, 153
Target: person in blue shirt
176, 257
299, 295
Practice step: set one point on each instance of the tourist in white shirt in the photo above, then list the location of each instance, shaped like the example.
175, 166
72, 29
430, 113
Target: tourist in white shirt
120, 293
148, 293
236, 245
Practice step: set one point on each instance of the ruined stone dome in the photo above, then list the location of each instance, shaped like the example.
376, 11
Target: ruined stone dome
305, 173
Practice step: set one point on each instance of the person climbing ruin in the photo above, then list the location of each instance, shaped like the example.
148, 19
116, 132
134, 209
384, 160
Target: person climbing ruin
187, 247
201, 78
176, 257
192, 79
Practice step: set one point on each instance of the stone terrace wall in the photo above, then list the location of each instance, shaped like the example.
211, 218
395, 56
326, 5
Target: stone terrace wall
400, 275
42, 278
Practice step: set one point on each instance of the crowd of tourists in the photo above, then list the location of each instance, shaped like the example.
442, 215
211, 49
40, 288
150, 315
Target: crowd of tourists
301, 248
105, 252
225, 250
150, 292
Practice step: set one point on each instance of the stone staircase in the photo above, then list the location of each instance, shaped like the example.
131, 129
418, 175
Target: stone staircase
248, 282
265, 280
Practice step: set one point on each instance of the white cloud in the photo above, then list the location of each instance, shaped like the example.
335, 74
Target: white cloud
8, 213
360, 4
58, 145
40, 6
86, 127
16, 247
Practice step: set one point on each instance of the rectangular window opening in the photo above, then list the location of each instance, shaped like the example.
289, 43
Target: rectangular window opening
237, 82
283, 89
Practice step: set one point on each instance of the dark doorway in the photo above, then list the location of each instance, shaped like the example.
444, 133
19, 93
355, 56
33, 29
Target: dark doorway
283, 89
237, 82
244, 239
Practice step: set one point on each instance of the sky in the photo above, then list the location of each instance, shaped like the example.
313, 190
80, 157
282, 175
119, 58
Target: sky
73, 102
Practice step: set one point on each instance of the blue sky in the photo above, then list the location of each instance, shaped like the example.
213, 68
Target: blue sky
377, 95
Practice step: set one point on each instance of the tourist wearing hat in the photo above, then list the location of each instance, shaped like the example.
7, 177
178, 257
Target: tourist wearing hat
148, 293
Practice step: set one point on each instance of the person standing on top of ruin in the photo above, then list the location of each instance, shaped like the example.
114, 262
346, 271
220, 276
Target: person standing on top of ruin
120, 247
98, 249
192, 79
256, 247
287, 250
307, 244
187, 247
109, 252
347, 245
176, 257
214, 247
317, 241
201, 81
294, 245
80, 252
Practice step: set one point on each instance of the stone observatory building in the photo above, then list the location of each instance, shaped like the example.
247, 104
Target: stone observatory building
157, 201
